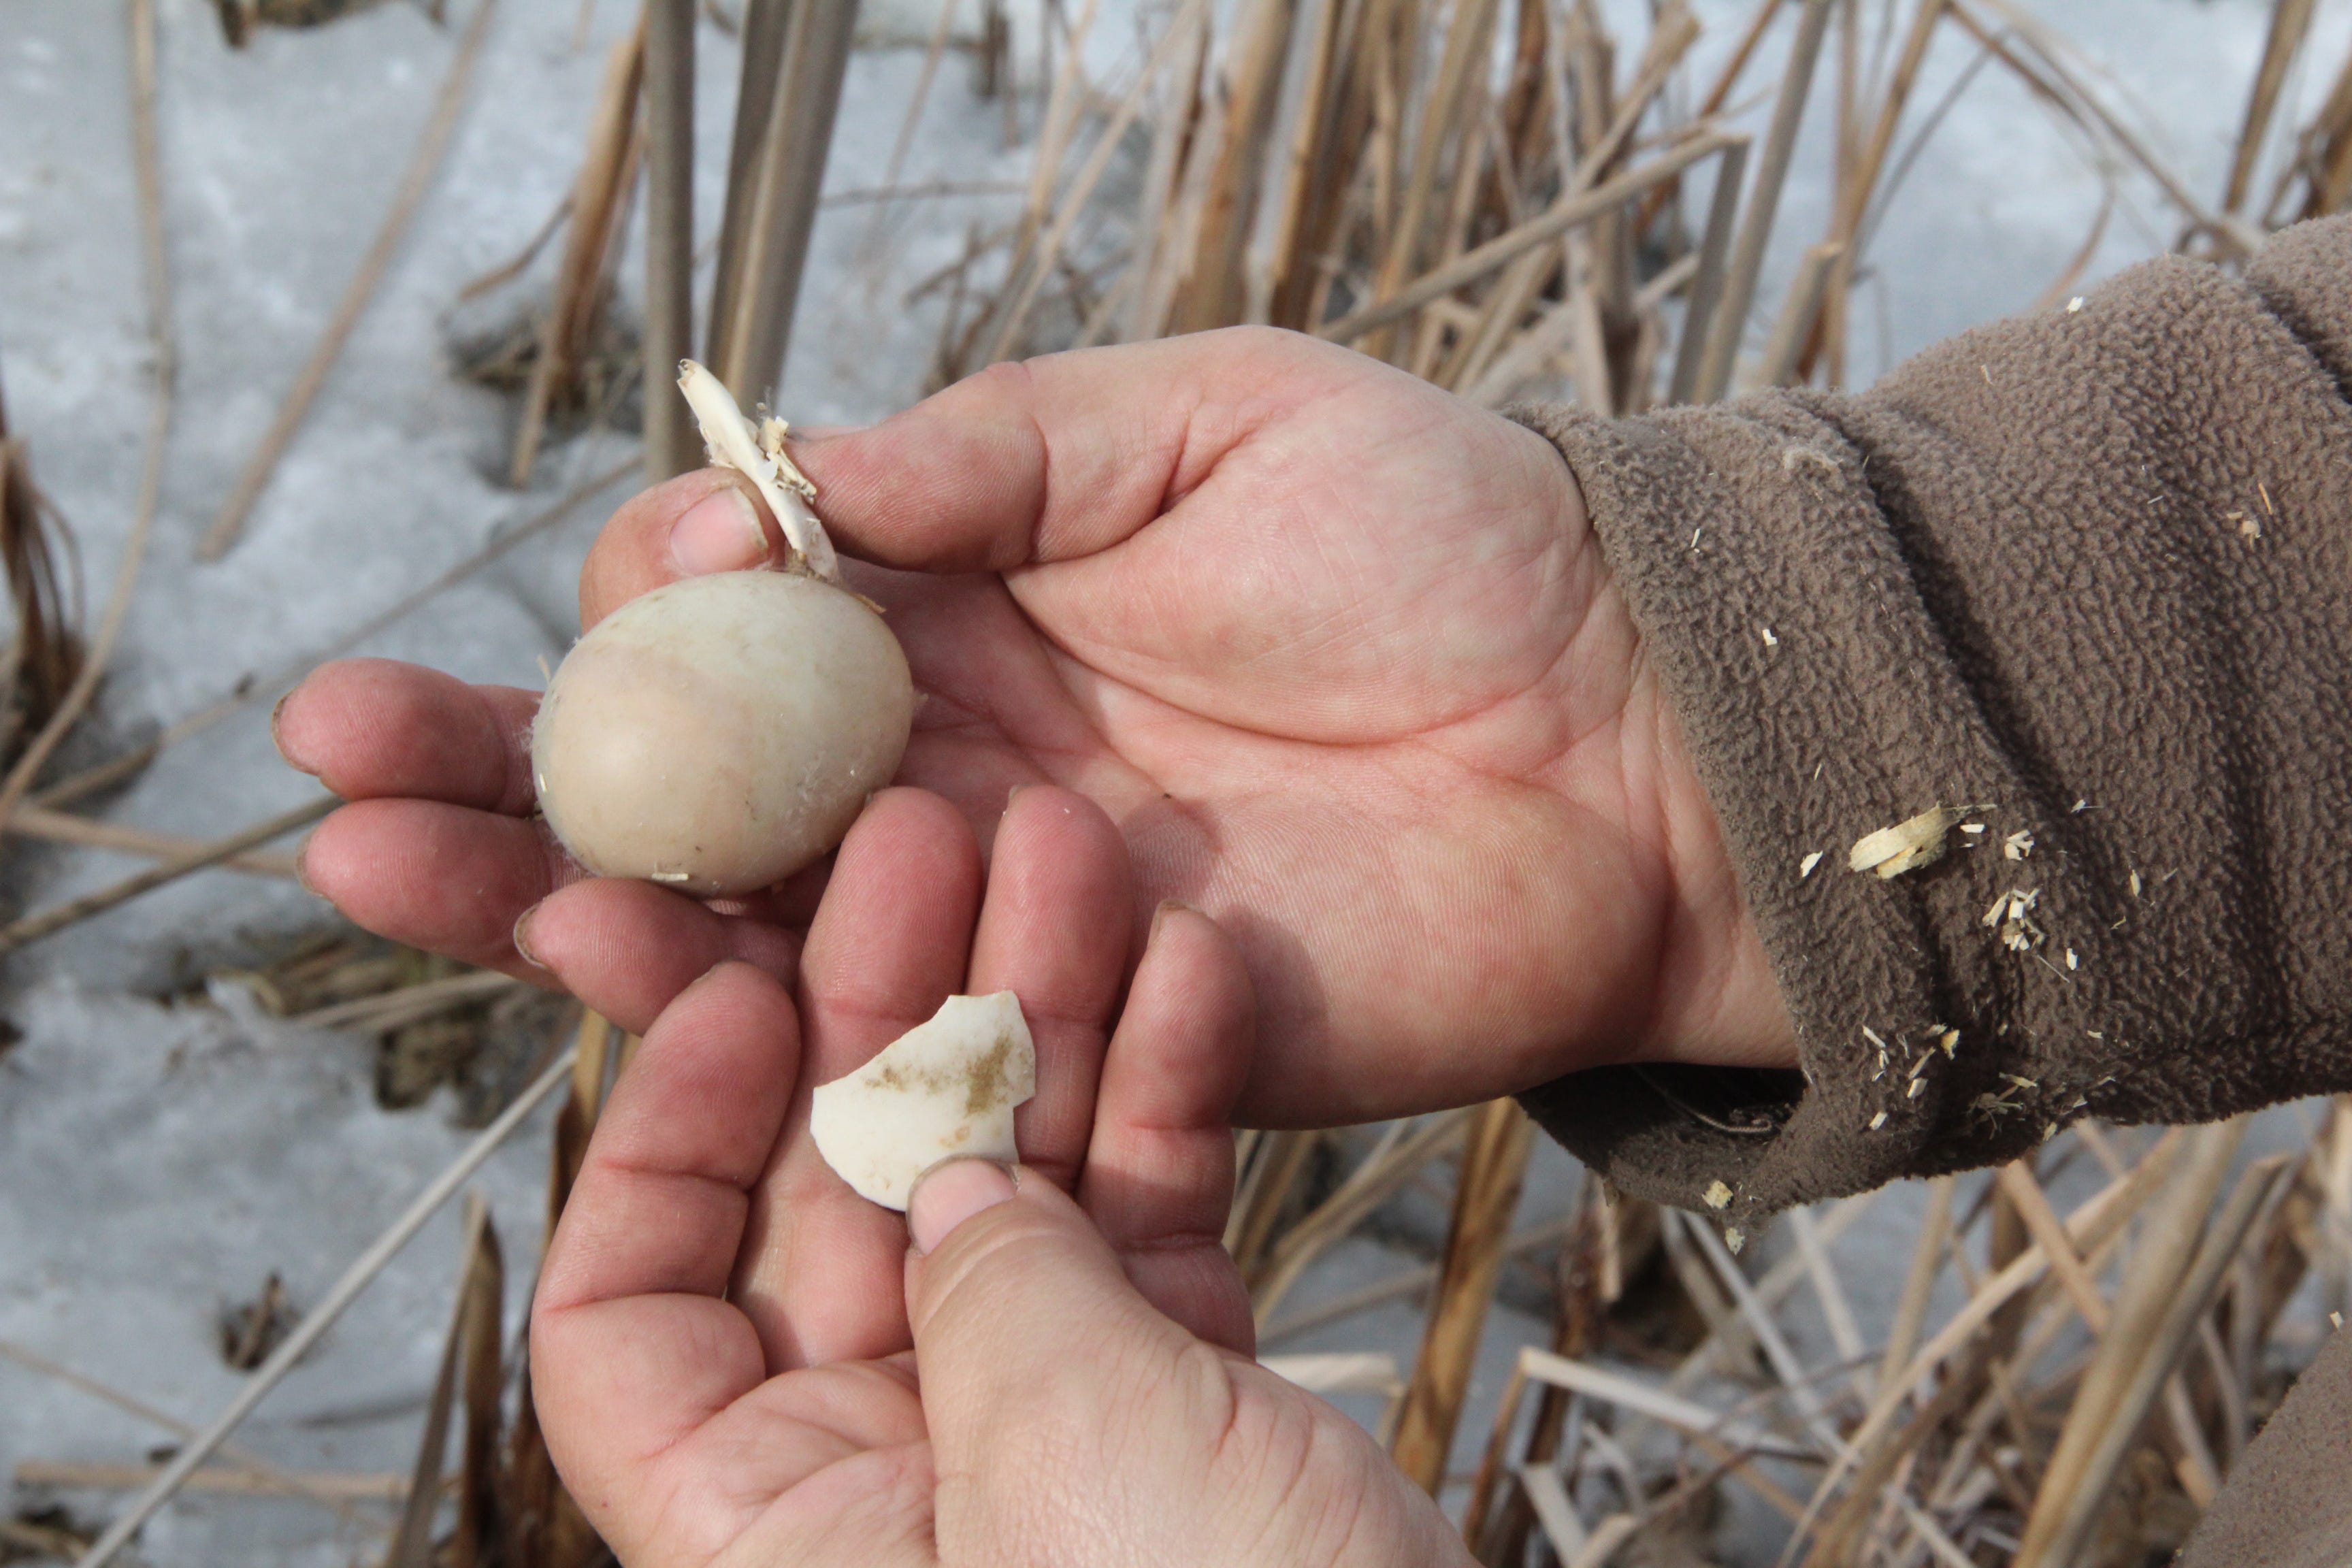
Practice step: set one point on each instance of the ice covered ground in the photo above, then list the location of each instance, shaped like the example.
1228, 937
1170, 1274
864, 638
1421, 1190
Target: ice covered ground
159, 1157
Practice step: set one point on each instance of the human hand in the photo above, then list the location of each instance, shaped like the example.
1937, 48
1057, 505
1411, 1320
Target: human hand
721, 1353
1337, 650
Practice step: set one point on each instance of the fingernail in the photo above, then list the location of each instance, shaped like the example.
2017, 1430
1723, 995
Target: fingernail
521, 937
720, 533
1161, 914
950, 1194
302, 865
278, 738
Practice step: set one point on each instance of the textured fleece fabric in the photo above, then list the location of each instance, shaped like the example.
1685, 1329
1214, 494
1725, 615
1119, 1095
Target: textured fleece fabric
2087, 573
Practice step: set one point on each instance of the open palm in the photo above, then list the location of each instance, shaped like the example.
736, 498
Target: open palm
1336, 651
725, 1364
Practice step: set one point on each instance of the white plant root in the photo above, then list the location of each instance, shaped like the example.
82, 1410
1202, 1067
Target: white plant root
757, 452
945, 1089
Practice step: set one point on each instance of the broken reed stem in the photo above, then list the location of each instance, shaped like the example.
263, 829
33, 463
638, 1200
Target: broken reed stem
1395, 1161
596, 191
155, 264
1859, 183
2290, 25
1563, 216
337, 1491
392, 1009
671, 445
118, 770
423, 166
1493, 1165
1798, 313
763, 252
1730, 320
1405, 1282
323, 1317
33, 927
2095, 1221
1927, 1263
2074, 1483
60, 827
1040, 263
1714, 260
1277, 1162
1829, 1291
2032, 1207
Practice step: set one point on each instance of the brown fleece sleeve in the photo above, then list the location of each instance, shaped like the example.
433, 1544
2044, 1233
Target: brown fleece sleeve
2087, 573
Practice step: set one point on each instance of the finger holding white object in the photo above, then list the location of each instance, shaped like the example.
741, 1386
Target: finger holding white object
722, 732
757, 452
944, 1090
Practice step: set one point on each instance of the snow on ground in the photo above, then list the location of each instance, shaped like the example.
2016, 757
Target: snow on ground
159, 1157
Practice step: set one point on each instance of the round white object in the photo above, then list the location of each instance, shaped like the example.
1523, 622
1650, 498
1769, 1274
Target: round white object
718, 734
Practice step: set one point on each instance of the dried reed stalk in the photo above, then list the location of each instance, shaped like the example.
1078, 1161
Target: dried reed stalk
540, 1524
671, 446
391, 1009
423, 166
155, 271
1730, 317
1404, 1282
1395, 1161
236, 1460
1927, 1263
228, 1481
579, 290
324, 1316
773, 190
59, 827
483, 1384
45, 654
33, 927
2116, 1387
1035, 264
411, 1541
1563, 216
1800, 315
2290, 25
1269, 1175
1858, 184
249, 689
1487, 1195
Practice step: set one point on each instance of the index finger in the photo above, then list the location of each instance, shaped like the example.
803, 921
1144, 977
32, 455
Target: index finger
633, 1337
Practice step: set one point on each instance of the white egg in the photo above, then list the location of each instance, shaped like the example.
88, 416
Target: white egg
718, 734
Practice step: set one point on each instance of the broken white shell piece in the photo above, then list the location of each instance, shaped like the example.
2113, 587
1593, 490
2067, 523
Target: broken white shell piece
757, 452
945, 1087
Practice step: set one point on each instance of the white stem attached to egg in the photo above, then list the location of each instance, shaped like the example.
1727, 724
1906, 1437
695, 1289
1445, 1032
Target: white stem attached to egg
757, 453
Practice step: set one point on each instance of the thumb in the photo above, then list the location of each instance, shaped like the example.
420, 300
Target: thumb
1024, 1323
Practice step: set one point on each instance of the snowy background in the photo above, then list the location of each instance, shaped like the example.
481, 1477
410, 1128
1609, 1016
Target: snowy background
162, 1150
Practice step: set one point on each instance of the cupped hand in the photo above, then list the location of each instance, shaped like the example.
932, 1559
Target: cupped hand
738, 1361
1337, 650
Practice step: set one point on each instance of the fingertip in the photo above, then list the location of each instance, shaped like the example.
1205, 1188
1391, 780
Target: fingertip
953, 1192
632, 553
628, 949
720, 533
287, 752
